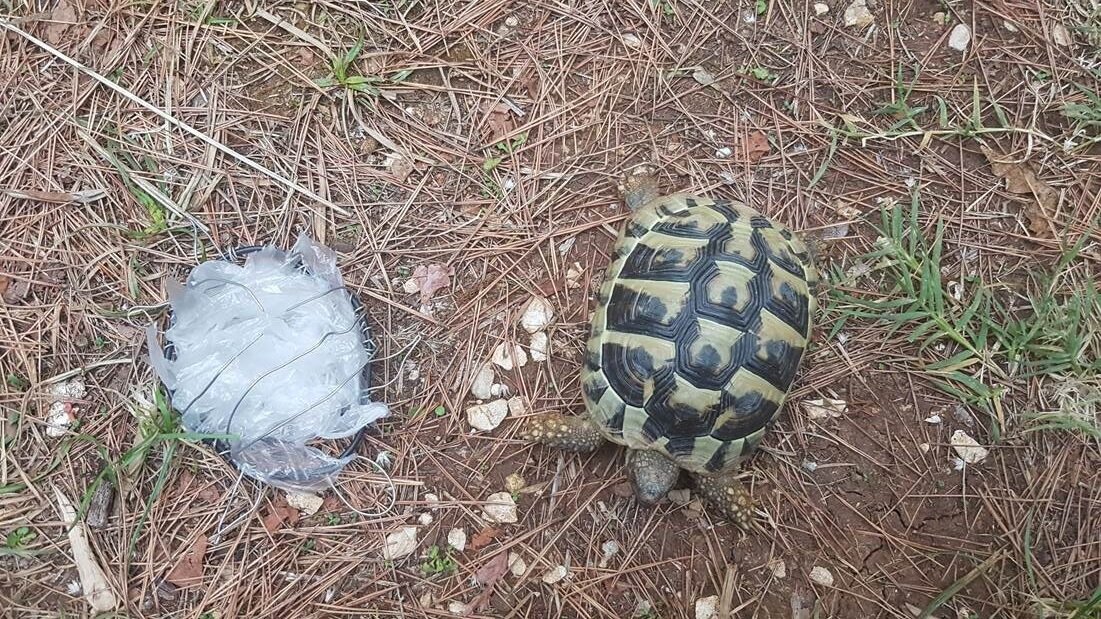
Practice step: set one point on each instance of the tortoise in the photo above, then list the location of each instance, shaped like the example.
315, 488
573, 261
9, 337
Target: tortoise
701, 325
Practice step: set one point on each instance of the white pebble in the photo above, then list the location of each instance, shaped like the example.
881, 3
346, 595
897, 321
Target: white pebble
968, 448
933, 419
498, 390
516, 564
1060, 35
517, 406
457, 608
425, 519
960, 38
821, 8
824, 408
483, 382
610, 549
487, 416
857, 14
724, 152
555, 574
539, 345
400, 543
821, 576
778, 567
708, 607
432, 500
456, 538
632, 40
537, 314
305, 502
500, 508
508, 356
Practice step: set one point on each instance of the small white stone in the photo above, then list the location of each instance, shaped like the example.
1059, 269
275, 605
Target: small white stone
58, 419
539, 345
824, 408
933, 419
821, 8
810, 466
610, 549
498, 390
400, 543
940, 18
483, 382
411, 286
857, 14
778, 567
500, 508
432, 500
631, 40
516, 564
517, 406
1060, 35
573, 276
507, 356
821, 576
708, 607
924, 447
456, 538
537, 314
511, 21
487, 416
555, 574
960, 38
724, 152
457, 608
1008, 25
305, 502
968, 448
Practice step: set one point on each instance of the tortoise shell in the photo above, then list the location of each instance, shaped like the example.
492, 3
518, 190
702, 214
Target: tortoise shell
701, 324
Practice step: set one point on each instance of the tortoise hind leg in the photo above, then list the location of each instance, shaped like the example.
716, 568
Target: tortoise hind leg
652, 475
569, 433
728, 495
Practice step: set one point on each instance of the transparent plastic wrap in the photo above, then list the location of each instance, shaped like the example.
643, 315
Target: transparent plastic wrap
273, 352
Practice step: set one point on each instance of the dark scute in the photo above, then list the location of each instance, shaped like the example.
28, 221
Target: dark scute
615, 422
652, 429
781, 257
664, 264
746, 319
678, 419
792, 308
718, 459
780, 365
638, 312
681, 446
760, 221
726, 209
705, 371
594, 390
751, 413
592, 361
635, 230
784, 232
627, 368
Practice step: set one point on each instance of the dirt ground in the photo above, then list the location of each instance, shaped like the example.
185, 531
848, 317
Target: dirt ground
488, 138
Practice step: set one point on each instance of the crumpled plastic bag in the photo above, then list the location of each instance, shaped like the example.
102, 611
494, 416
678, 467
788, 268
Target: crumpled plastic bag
273, 354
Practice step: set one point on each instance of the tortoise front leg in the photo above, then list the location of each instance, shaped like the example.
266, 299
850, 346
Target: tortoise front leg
652, 475
569, 433
727, 494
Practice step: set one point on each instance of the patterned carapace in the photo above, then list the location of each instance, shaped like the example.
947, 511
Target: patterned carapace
702, 321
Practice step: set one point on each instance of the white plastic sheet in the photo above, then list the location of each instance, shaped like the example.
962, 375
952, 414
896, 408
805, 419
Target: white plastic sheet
273, 352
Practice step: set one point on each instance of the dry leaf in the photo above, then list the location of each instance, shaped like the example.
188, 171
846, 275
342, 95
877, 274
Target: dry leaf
279, 514
13, 291
431, 278
493, 570
499, 122
1021, 179
189, 571
60, 19
483, 537
756, 146
401, 168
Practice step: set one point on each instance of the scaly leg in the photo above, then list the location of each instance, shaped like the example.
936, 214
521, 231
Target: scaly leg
728, 495
569, 433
